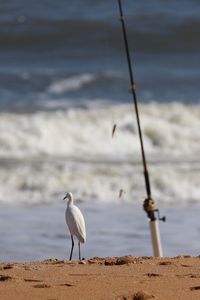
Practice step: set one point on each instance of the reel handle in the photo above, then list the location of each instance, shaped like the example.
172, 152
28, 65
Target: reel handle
150, 209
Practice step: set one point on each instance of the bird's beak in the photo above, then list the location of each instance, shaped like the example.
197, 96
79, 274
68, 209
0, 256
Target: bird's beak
65, 198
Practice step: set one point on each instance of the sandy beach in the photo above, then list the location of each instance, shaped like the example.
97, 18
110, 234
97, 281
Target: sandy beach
69, 123
126, 277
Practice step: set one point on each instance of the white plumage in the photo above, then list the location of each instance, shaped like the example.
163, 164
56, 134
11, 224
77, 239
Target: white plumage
75, 222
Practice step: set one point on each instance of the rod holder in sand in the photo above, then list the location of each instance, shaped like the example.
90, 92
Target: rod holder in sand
155, 237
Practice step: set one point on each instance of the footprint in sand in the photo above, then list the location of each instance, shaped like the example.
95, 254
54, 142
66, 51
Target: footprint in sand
190, 275
32, 280
8, 266
185, 266
195, 288
195, 276
41, 286
124, 260
4, 277
66, 284
166, 263
138, 296
143, 296
153, 275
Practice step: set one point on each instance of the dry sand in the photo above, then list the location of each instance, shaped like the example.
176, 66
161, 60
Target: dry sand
119, 278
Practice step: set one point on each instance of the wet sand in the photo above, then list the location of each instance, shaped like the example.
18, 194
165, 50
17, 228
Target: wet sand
127, 277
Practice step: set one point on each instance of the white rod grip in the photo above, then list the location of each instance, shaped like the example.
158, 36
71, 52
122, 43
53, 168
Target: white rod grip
155, 236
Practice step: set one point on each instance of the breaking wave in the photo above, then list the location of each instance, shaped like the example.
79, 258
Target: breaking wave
43, 154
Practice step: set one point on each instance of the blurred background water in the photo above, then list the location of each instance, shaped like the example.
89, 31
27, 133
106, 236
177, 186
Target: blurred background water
63, 85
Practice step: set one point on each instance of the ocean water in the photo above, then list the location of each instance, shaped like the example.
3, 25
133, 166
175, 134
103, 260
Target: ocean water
63, 85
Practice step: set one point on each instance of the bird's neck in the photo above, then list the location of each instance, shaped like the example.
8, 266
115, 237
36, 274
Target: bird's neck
70, 202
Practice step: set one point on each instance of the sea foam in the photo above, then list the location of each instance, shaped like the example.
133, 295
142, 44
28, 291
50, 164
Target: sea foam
44, 154
72, 83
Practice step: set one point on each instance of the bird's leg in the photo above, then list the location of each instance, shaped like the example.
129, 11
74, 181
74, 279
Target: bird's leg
71, 247
79, 248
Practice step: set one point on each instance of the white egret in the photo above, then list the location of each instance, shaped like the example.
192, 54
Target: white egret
75, 223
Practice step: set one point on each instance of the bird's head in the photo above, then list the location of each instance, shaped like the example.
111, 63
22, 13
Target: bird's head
69, 197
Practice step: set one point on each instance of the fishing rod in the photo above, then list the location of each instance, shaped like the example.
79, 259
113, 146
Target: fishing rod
148, 205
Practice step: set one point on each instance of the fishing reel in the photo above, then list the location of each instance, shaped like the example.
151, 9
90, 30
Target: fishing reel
149, 208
